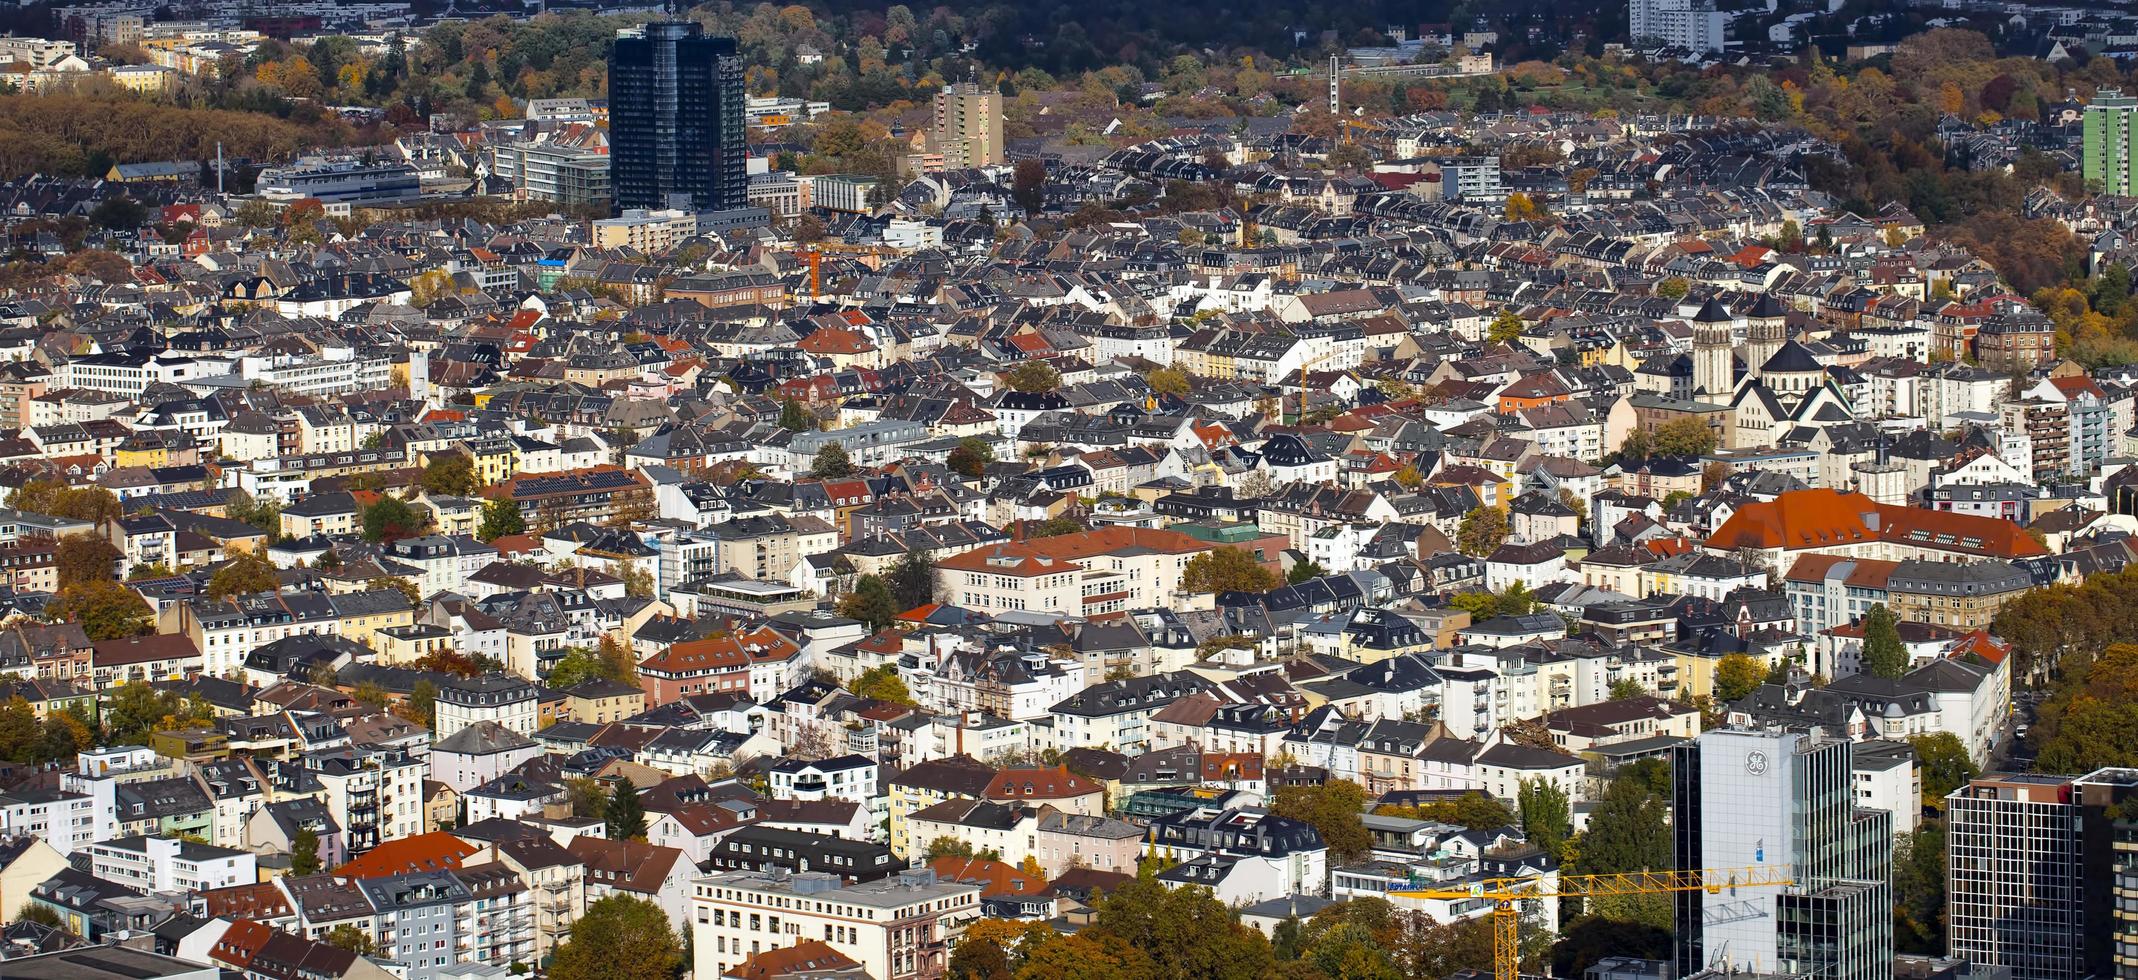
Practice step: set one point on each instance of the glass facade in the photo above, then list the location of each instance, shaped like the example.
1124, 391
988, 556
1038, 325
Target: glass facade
676, 121
1758, 798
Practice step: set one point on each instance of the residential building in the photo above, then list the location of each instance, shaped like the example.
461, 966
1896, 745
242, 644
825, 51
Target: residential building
968, 126
2108, 143
898, 928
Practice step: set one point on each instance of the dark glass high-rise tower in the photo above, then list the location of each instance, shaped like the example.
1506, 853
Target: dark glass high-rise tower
676, 121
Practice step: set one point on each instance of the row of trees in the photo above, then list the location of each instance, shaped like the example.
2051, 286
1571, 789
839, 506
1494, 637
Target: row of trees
125, 715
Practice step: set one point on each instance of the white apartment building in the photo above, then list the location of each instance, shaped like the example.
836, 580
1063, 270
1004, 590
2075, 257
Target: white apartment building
1691, 24
68, 821
897, 928
168, 864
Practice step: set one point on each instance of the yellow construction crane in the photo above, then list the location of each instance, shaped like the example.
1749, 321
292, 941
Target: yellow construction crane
1303, 366
1504, 893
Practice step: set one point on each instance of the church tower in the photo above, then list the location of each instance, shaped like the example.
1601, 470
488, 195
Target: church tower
1714, 361
1766, 327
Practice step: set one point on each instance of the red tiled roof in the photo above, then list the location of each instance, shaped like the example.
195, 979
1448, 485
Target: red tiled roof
1820, 518
808, 956
993, 877
1038, 784
434, 851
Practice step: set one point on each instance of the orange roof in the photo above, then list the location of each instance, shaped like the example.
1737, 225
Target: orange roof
1046, 556
807, 956
435, 851
1801, 520
1668, 547
1982, 644
241, 942
516, 544
830, 341
993, 877
920, 613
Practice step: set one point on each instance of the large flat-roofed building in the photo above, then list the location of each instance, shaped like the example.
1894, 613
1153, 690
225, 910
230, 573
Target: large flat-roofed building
341, 182
549, 172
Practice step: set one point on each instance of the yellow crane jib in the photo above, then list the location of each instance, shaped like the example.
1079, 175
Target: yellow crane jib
1504, 893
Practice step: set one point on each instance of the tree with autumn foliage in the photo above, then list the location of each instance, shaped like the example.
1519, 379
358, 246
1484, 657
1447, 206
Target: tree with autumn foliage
1224, 569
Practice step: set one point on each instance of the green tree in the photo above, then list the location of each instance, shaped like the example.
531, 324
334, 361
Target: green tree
1883, 653
585, 796
831, 463
105, 610
243, 574
351, 938
1736, 677
1687, 436
1474, 810
1944, 764
946, 846
1304, 571
794, 418
625, 814
240, 506
501, 517
389, 518
1482, 531
1626, 689
408, 589
1673, 288
451, 474
1547, 816
1032, 377
84, 558
1335, 810
871, 602
1170, 381
1052, 527
620, 938
638, 580
1186, 932
1626, 833
93, 504
119, 214
304, 852
578, 666
1518, 600
1351, 951
423, 704
41, 914
971, 457
21, 735
911, 580
1919, 870
1505, 328
1226, 569
883, 684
